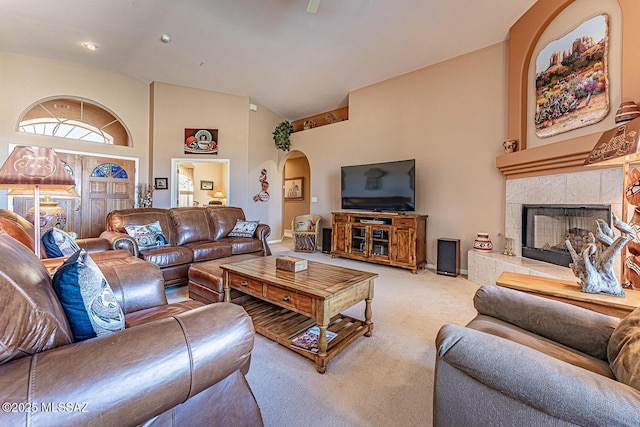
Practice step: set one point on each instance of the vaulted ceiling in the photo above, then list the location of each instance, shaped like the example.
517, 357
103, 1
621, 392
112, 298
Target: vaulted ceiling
273, 51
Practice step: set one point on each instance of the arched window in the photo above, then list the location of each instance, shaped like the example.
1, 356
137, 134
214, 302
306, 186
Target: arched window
74, 118
106, 170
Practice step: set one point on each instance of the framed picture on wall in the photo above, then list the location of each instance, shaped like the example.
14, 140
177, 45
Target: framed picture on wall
162, 183
200, 141
206, 185
294, 188
572, 84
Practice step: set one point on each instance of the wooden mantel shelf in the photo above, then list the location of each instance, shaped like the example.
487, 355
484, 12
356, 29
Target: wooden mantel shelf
560, 157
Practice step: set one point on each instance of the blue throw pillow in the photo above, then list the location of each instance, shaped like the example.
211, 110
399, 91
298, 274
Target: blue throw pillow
88, 301
57, 243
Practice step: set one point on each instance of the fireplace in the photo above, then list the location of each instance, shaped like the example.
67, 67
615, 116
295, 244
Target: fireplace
545, 229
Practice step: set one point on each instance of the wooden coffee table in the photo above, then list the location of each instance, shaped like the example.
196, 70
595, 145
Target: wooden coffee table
284, 304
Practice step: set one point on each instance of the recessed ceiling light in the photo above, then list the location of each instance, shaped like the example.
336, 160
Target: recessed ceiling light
166, 38
90, 46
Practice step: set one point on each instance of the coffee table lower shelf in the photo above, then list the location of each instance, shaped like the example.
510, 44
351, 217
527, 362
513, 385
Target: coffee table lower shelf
283, 326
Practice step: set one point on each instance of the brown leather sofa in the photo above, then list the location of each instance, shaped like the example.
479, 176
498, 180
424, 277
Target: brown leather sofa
525, 360
193, 235
174, 364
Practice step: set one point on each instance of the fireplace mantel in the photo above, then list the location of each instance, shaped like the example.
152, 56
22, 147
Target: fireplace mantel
560, 157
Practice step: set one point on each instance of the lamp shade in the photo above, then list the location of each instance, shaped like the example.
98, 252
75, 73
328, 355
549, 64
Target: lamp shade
28, 167
616, 146
56, 194
218, 195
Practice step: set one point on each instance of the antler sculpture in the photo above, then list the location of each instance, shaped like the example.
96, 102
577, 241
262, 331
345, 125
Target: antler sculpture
594, 267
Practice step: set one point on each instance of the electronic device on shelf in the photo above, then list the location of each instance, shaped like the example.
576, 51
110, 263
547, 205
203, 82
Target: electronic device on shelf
372, 221
387, 186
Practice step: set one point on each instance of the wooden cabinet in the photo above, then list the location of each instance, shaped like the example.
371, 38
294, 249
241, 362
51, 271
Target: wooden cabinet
398, 240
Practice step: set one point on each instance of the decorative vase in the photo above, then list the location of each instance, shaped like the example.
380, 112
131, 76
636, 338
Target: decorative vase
482, 243
510, 145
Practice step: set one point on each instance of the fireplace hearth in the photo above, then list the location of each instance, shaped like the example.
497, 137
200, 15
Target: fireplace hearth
546, 228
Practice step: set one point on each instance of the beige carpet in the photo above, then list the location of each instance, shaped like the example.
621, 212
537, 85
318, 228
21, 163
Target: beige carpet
385, 380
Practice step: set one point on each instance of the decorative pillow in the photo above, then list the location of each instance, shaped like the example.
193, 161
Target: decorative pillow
244, 228
623, 350
57, 243
91, 307
147, 236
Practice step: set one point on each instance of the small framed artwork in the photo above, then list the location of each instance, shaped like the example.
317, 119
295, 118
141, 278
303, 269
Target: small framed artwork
200, 141
162, 183
294, 188
206, 185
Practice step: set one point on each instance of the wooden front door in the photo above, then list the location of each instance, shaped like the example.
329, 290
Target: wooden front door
103, 183
107, 184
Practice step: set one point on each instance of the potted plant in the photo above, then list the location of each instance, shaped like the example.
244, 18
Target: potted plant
281, 135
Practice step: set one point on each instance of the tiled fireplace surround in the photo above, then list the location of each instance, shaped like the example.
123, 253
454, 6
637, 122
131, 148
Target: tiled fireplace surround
591, 187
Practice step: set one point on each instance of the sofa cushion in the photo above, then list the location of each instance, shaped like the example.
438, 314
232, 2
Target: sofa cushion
31, 319
513, 333
207, 250
87, 299
57, 243
244, 229
624, 350
243, 245
147, 236
191, 225
168, 256
223, 219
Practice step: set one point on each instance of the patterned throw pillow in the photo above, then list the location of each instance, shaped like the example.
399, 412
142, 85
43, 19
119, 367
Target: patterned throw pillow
88, 301
57, 243
147, 236
244, 228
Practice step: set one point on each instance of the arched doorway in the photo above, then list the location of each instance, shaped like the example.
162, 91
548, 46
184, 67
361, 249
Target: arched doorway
297, 189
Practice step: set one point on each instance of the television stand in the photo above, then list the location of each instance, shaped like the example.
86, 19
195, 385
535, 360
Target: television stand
382, 238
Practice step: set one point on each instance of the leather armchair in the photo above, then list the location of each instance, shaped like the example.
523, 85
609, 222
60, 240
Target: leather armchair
174, 364
527, 360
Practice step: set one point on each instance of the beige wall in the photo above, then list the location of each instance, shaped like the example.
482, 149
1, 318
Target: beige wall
295, 168
243, 138
25, 80
450, 117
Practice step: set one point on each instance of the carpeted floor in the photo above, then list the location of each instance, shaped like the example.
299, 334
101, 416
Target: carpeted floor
384, 380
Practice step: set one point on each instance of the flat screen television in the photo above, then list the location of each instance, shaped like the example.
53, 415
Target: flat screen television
388, 186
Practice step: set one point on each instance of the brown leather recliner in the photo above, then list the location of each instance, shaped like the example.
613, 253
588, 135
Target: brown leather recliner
181, 364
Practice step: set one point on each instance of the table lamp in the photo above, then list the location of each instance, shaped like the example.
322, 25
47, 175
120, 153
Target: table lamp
35, 168
51, 215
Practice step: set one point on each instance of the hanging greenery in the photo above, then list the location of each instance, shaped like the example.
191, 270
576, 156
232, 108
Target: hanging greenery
281, 135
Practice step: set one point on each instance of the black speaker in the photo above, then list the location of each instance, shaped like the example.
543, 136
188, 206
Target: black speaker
448, 257
326, 240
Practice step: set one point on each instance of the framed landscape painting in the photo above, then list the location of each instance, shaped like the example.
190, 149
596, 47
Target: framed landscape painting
572, 87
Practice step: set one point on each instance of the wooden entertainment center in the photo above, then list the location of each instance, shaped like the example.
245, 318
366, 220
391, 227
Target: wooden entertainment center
394, 239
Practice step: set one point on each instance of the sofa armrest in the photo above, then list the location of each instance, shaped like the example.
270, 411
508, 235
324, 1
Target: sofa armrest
121, 241
573, 326
130, 376
541, 382
262, 232
94, 244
